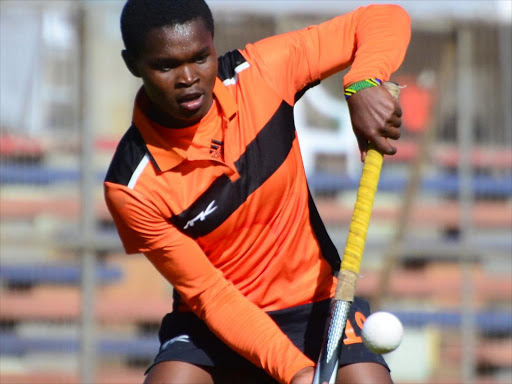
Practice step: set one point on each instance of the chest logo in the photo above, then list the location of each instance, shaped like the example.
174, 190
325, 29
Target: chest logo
202, 215
216, 149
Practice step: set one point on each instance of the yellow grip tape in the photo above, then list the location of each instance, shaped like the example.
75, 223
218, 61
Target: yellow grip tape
362, 211
360, 222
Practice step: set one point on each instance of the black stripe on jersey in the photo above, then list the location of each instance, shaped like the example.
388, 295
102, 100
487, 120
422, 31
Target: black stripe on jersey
263, 156
329, 251
227, 64
129, 153
301, 93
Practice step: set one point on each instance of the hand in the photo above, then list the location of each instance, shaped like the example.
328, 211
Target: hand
304, 376
376, 116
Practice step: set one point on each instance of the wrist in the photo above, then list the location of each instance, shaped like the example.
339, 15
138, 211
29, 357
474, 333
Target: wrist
359, 85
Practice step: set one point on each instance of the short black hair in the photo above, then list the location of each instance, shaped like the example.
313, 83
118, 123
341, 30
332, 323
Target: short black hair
140, 16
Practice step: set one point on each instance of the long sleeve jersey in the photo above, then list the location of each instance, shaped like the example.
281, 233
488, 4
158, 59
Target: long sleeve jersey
222, 208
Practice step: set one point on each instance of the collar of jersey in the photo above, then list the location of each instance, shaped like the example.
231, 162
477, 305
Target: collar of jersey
166, 145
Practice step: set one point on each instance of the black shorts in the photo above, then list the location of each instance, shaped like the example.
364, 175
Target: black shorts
184, 337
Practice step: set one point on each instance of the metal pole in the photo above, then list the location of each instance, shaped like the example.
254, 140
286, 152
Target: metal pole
505, 52
465, 95
88, 257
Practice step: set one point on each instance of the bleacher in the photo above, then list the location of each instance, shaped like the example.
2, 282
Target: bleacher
40, 313
40, 202
49, 293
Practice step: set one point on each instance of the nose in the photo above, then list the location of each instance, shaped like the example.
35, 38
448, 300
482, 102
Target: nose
187, 76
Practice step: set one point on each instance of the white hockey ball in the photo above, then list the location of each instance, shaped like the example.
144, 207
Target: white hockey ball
382, 332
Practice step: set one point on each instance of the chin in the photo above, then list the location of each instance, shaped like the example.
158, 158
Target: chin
186, 121
193, 117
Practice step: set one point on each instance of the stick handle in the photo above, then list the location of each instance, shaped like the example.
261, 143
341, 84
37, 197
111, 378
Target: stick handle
327, 367
360, 221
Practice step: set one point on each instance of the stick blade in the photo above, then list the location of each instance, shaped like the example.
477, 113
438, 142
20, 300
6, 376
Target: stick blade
326, 371
327, 366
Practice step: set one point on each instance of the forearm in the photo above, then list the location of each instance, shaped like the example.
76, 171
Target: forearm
372, 40
240, 324
382, 35
253, 334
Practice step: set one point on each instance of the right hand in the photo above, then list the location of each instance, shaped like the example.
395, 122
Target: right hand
376, 117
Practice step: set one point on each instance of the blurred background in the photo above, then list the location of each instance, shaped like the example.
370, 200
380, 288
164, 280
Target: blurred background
75, 309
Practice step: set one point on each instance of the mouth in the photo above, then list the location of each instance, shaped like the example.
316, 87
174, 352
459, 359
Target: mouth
191, 101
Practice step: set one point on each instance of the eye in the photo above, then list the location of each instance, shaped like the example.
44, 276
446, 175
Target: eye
163, 65
202, 59
166, 66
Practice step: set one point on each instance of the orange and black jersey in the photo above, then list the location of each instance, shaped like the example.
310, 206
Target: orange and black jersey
222, 208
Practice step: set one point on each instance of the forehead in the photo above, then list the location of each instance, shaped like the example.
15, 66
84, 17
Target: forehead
177, 40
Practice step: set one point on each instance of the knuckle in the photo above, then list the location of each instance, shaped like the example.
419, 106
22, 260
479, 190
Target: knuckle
371, 136
390, 150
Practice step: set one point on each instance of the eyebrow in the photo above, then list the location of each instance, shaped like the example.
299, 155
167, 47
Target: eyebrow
201, 52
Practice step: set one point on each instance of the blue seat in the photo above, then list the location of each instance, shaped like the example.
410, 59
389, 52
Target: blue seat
53, 273
38, 174
127, 346
484, 186
487, 186
488, 321
147, 346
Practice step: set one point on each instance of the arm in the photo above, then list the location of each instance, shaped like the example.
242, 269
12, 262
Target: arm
372, 40
211, 297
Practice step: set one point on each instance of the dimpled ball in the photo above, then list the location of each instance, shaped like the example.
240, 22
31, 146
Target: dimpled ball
382, 332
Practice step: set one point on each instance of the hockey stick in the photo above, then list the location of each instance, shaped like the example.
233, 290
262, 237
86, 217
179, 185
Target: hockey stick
327, 367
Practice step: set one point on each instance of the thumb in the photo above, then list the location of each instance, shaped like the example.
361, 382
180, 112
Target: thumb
362, 143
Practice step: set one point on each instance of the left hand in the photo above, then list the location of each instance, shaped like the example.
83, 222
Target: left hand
376, 117
305, 376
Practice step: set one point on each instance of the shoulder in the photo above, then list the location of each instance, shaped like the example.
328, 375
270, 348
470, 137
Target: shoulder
230, 64
129, 154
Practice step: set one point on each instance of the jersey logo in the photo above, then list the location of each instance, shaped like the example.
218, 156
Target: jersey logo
216, 149
202, 215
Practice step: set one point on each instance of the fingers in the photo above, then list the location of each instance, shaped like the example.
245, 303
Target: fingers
380, 141
391, 130
380, 137
376, 118
398, 110
383, 146
394, 121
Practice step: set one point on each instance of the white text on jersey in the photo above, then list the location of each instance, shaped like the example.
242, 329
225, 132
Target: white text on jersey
209, 209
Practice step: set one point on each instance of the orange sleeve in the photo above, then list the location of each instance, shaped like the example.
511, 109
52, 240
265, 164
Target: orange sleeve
373, 40
235, 320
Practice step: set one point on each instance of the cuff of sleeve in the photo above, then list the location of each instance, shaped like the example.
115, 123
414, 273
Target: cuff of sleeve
359, 85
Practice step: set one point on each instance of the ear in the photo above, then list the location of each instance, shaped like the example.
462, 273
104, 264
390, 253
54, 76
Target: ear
130, 63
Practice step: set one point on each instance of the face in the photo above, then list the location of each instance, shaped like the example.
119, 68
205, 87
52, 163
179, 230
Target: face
178, 67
